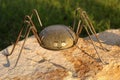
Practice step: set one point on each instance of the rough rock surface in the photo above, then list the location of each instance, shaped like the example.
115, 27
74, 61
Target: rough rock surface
110, 37
77, 63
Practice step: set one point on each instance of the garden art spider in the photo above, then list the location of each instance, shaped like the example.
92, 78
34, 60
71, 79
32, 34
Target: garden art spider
58, 37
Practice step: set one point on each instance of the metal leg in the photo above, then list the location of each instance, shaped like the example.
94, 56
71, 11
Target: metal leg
88, 25
30, 27
34, 30
79, 27
38, 17
26, 36
91, 28
18, 38
94, 45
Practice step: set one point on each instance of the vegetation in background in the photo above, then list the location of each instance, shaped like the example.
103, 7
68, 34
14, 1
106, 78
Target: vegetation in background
104, 14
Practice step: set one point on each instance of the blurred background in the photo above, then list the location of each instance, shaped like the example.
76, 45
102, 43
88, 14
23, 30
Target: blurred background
104, 14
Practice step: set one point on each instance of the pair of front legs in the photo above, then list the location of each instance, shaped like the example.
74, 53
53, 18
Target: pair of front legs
28, 26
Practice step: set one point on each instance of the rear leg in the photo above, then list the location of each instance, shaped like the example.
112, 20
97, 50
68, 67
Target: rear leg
85, 22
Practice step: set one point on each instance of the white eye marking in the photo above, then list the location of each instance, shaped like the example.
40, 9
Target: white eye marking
55, 44
63, 44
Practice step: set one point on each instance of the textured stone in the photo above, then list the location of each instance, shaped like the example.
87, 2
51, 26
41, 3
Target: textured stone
77, 63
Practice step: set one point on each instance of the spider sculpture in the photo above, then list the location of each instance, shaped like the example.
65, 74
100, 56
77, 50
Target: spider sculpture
58, 37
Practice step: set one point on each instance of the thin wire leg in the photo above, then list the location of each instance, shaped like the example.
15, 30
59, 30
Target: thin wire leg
36, 35
75, 17
94, 45
34, 30
89, 24
78, 28
38, 17
26, 36
18, 38
86, 52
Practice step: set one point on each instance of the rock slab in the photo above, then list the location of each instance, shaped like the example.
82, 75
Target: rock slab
77, 63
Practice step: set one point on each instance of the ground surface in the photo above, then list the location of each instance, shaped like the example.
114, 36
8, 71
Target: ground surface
76, 63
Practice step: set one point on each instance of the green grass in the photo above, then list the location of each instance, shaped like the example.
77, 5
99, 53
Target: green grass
104, 14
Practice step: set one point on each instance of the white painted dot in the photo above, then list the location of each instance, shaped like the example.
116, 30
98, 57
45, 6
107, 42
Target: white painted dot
55, 44
63, 44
